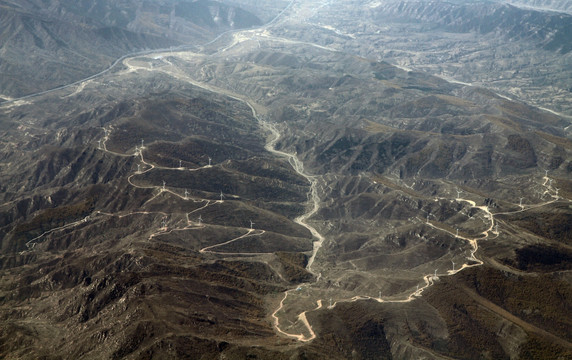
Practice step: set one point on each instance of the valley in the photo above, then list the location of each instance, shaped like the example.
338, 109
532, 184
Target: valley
271, 195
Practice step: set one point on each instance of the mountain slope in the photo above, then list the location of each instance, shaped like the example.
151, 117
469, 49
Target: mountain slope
46, 44
277, 195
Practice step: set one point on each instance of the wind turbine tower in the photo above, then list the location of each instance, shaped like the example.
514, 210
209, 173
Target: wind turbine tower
251, 224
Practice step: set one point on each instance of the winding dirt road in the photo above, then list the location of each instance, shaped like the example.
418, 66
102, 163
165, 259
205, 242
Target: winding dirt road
303, 220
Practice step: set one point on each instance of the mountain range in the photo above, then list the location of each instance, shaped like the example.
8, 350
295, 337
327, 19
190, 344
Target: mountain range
281, 181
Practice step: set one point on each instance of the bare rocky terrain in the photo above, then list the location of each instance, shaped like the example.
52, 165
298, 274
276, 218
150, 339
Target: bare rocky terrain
285, 192
54, 43
520, 52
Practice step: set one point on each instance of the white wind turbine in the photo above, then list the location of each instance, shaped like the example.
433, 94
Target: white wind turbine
429, 214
